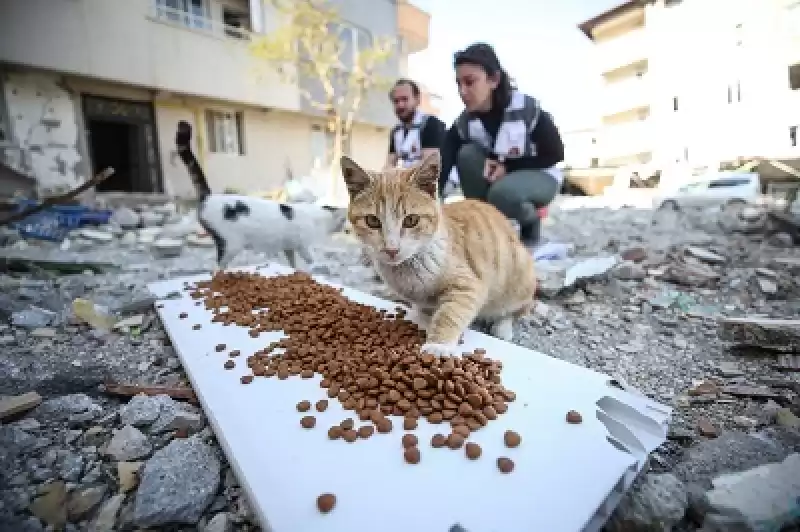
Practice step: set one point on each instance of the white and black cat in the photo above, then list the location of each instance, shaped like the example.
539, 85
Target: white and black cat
236, 222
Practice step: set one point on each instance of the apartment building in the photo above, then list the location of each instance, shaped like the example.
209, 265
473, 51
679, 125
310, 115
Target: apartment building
86, 84
696, 83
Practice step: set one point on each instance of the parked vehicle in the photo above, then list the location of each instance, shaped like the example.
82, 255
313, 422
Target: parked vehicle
711, 190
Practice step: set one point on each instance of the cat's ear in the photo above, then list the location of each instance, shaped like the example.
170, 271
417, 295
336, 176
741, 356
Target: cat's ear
426, 175
355, 177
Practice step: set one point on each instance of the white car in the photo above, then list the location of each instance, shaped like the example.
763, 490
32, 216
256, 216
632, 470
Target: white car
711, 190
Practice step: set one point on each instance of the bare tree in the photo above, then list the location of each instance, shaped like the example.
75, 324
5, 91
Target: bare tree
315, 45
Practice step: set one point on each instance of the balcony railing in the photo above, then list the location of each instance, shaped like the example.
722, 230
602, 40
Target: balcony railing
196, 21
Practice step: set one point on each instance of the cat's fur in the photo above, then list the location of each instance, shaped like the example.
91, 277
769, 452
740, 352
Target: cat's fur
236, 222
455, 262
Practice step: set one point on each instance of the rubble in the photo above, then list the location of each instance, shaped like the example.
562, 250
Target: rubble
644, 297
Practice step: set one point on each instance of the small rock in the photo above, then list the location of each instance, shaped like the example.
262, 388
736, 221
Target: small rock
128, 443
745, 422
129, 322
705, 255
126, 218
634, 254
67, 406
706, 428
221, 522
51, 506
177, 484
763, 498
704, 388
96, 235
83, 501
630, 271
106, 518
176, 418
144, 409
729, 370
786, 418
656, 505
71, 467
43, 332
128, 474
32, 318
767, 286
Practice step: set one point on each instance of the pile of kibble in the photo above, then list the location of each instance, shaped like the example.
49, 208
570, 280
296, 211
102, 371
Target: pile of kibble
369, 360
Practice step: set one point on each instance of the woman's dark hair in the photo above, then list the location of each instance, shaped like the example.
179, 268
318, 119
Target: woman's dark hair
405, 81
482, 55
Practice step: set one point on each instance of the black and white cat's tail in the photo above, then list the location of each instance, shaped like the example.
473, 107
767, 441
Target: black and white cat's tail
183, 143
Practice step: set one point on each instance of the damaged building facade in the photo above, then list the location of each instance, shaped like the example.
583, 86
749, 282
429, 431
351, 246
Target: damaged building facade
86, 84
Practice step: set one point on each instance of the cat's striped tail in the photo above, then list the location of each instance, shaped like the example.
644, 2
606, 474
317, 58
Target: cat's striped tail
183, 143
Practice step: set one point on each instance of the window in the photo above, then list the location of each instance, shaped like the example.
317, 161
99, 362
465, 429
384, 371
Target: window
793, 136
190, 13
353, 39
675, 103
236, 23
225, 132
794, 77
729, 182
735, 92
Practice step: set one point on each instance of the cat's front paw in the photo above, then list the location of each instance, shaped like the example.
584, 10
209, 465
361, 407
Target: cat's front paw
440, 350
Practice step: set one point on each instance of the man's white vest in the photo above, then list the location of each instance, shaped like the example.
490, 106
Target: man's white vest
513, 137
407, 144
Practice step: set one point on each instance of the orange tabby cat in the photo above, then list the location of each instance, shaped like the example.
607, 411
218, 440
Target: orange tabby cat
454, 262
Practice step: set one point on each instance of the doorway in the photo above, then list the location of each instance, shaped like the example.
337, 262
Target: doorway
114, 144
121, 135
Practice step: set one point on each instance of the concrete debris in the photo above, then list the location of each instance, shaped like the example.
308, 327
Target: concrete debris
118, 443
762, 499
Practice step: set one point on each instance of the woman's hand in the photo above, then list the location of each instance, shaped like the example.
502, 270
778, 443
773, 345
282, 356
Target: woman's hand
493, 170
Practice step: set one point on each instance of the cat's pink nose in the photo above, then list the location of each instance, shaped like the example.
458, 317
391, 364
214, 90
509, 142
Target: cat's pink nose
391, 252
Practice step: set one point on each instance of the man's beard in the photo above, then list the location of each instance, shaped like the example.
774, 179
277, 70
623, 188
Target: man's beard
407, 117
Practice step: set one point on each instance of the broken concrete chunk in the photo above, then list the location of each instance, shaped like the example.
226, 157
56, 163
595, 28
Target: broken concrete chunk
657, 503
706, 428
763, 498
18, 404
51, 506
761, 332
128, 443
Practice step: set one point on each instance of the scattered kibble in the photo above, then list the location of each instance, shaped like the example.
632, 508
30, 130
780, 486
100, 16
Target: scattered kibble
303, 406
234, 353
505, 465
438, 440
366, 431
326, 502
409, 423
347, 424
411, 455
455, 441
246, 379
197, 326
512, 439
335, 432
322, 405
350, 435
409, 440
183, 315
220, 348
574, 417
308, 422
229, 364
473, 450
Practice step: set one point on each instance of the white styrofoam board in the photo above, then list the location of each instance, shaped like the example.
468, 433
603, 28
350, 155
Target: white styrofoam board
568, 478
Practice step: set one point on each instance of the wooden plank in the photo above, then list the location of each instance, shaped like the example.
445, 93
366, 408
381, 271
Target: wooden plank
11, 406
767, 333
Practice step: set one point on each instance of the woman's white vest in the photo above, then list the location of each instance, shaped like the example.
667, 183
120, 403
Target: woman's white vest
513, 138
407, 144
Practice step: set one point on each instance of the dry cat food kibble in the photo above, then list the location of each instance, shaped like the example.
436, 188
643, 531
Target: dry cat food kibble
303, 406
326, 502
197, 326
246, 379
308, 422
220, 348
234, 353
335, 432
350, 435
183, 315
438, 440
229, 364
411, 455
512, 439
409, 440
505, 465
574, 417
473, 450
366, 431
369, 362
322, 405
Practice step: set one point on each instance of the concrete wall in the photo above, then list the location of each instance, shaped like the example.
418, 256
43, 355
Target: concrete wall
124, 41
46, 120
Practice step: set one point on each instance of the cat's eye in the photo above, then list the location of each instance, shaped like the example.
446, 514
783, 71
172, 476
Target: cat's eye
372, 221
410, 221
